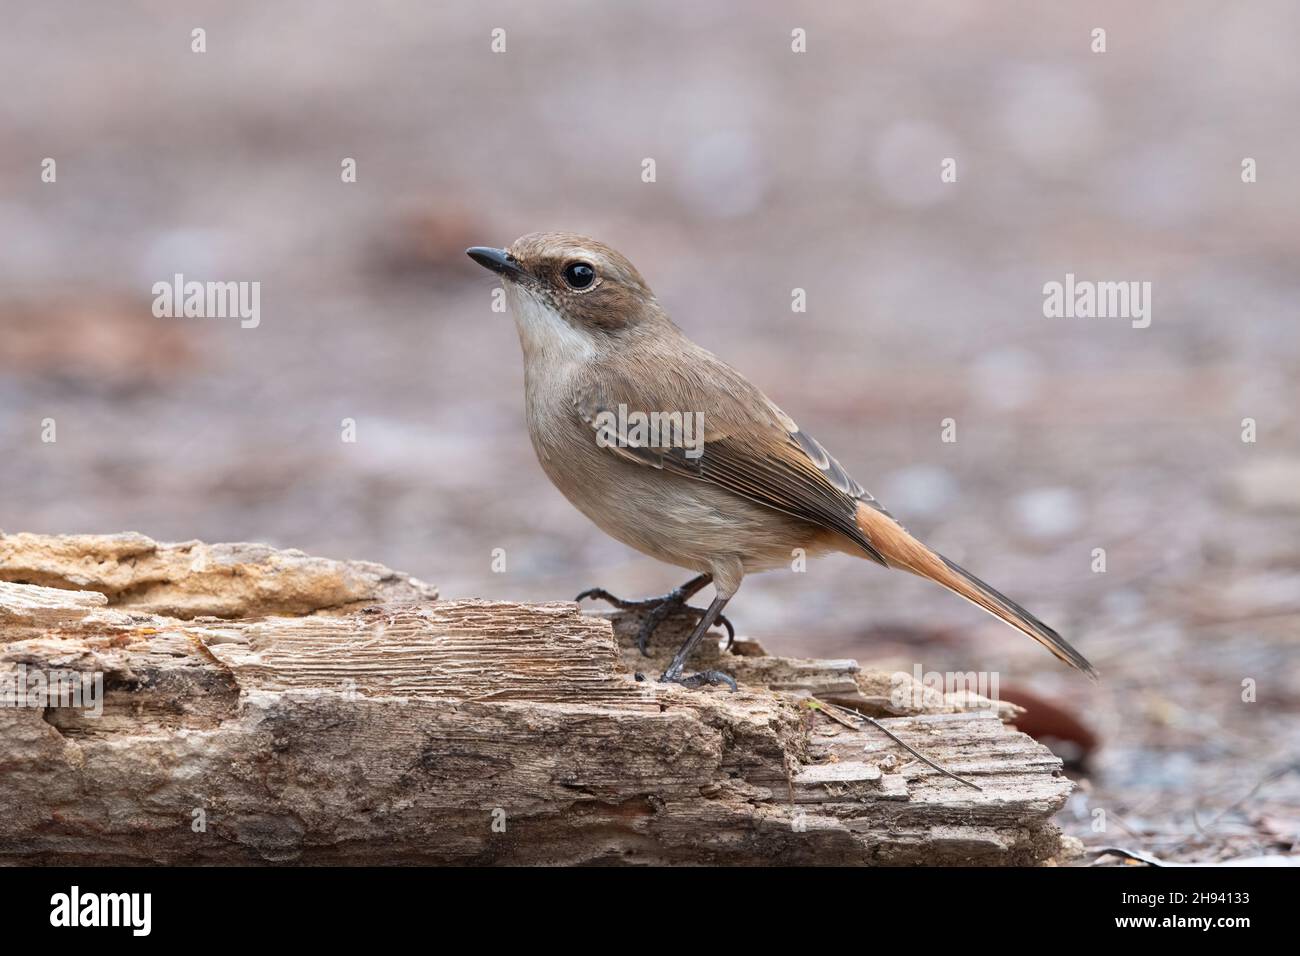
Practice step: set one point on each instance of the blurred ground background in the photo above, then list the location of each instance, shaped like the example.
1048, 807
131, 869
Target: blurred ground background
775, 171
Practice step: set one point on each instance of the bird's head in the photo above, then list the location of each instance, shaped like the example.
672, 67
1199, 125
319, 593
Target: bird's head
568, 291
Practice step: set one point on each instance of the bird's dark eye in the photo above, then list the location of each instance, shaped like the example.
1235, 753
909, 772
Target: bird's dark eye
579, 275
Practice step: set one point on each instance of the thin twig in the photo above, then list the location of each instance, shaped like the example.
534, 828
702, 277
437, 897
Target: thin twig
1277, 773
829, 709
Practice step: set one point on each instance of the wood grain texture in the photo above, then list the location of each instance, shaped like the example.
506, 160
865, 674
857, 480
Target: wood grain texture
480, 732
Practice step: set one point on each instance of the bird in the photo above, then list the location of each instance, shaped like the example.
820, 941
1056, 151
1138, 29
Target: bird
673, 452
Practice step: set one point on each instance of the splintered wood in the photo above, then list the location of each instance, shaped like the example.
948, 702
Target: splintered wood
411, 730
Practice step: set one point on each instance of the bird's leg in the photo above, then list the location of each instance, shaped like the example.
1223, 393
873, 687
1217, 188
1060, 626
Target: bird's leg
662, 608
674, 673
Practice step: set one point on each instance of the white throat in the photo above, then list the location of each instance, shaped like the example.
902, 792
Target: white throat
543, 332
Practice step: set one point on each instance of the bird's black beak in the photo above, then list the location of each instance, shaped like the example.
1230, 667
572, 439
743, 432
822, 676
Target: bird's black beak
498, 260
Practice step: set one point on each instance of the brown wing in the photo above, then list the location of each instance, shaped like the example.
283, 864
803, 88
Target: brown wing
750, 447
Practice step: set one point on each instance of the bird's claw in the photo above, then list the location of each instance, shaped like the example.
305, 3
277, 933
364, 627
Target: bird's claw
731, 631
660, 609
712, 678
600, 594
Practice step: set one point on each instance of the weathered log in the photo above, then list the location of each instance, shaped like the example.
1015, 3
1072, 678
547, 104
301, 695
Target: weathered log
338, 713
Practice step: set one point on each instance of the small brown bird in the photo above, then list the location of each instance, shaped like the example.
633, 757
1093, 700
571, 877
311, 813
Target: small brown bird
676, 454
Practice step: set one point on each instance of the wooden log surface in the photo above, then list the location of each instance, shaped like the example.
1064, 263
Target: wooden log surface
265, 706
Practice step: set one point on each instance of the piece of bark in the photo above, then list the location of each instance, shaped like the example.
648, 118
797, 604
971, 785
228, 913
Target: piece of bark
477, 732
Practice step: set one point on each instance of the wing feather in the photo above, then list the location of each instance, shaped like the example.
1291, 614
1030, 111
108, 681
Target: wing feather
750, 448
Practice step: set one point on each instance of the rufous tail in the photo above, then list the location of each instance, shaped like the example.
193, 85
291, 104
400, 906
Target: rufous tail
901, 550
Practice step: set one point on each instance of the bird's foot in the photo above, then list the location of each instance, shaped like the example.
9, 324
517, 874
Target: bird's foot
659, 610
711, 678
